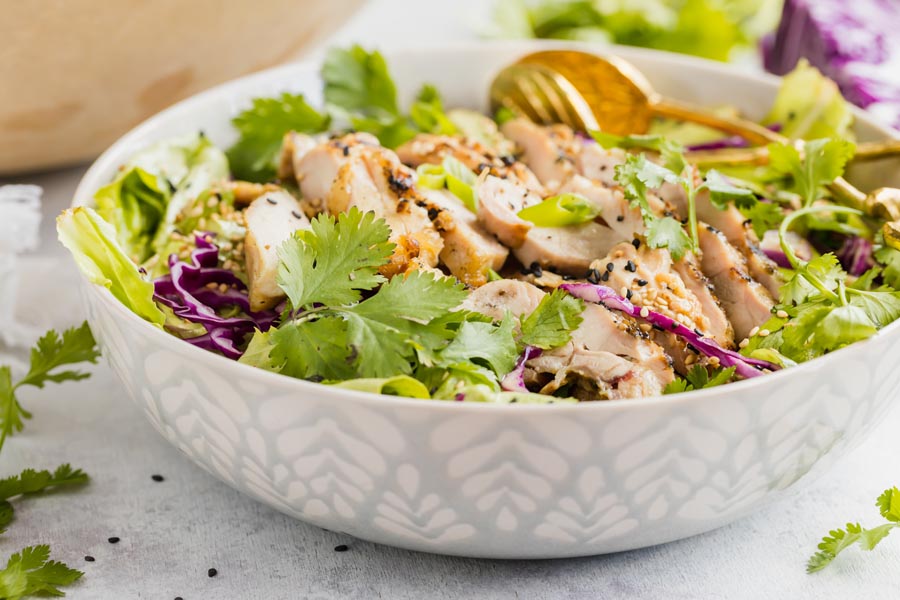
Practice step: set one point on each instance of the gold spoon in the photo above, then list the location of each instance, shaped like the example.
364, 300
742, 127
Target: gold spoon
586, 91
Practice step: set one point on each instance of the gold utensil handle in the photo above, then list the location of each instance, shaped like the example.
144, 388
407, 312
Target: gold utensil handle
752, 132
759, 156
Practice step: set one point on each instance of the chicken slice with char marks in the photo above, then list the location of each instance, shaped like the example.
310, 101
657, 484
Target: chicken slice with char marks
499, 202
469, 249
607, 357
373, 179
543, 150
271, 219
733, 225
747, 303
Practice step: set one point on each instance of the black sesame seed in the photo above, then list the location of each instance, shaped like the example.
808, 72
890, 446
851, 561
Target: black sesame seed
113, 540
341, 548
674, 325
610, 267
315, 378
508, 159
620, 218
433, 213
636, 243
698, 332
568, 277
157, 478
641, 282
271, 200
691, 348
525, 270
297, 214
593, 276
346, 150
89, 558
605, 276
536, 269
212, 573
630, 267
628, 294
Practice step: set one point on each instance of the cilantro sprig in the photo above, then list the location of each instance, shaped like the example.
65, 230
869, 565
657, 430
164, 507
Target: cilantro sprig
638, 175
840, 539
30, 572
52, 351
30, 482
698, 378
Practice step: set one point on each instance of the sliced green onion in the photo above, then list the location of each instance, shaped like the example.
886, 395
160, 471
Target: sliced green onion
493, 275
560, 211
431, 176
461, 182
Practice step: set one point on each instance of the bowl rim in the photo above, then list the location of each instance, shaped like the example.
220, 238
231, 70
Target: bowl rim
110, 158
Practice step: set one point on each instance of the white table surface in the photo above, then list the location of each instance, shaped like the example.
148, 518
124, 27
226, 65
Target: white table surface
173, 531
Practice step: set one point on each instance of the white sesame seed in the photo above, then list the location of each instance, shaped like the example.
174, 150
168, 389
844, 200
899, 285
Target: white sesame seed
644, 312
744, 343
754, 331
764, 332
781, 314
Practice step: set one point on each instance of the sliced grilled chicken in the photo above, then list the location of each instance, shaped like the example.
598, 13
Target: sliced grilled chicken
469, 249
543, 150
271, 219
499, 201
615, 210
699, 284
316, 165
294, 147
747, 303
431, 148
598, 163
734, 227
374, 179
607, 357
569, 250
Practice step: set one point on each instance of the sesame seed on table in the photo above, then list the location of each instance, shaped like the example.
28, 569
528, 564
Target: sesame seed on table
172, 530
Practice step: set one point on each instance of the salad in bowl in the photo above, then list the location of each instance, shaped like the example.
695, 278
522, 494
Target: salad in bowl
446, 254
457, 332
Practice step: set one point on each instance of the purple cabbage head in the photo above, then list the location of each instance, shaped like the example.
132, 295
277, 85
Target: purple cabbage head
195, 290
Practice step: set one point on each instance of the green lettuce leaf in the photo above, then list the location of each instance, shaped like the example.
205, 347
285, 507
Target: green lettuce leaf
810, 106
92, 242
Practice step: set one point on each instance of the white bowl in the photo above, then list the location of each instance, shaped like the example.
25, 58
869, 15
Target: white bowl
489, 480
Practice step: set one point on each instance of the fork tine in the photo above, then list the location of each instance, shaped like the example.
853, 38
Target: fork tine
555, 103
531, 93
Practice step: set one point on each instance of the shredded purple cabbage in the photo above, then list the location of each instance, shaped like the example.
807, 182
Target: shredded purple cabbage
600, 294
856, 255
514, 381
771, 247
734, 141
194, 292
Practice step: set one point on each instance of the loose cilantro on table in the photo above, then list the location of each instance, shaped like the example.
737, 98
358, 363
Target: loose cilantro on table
30, 572
262, 128
51, 352
838, 540
30, 482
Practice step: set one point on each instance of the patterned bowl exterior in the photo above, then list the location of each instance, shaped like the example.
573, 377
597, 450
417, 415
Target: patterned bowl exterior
488, 480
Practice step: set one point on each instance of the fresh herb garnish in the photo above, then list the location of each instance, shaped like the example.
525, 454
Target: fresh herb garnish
699, 378
76, 345
838, 540
262, 128
30, 482
822, 162
30, 572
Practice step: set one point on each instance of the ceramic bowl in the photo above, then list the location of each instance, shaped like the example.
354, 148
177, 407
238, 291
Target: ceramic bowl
74, 76
483, 480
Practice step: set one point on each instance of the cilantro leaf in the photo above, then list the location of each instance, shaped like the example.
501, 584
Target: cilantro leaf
699, 378
30, 572
316, 349
823, 161
825, 268
763, 216
30, 482
669, 233
427, 112
76, 345
722, 191
259, 352
262, 127
671, 152
494, 345
386, 328
358, 82
333, 261
839, 540
551, 324
889, 258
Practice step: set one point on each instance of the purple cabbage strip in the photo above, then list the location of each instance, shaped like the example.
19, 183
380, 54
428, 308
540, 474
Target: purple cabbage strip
734, 141
187, 290
514, 381
856, 255
600, 294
